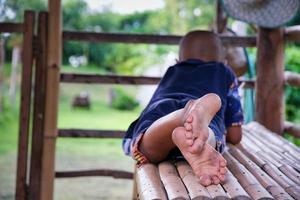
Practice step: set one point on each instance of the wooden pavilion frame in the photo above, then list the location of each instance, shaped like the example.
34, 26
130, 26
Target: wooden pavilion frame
45, 46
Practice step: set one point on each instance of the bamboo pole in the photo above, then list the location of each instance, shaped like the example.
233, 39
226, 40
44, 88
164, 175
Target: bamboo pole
51, 105
21, 184
270, 79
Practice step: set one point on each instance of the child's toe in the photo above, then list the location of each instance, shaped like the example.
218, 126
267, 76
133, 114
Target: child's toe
216, 180
205, 180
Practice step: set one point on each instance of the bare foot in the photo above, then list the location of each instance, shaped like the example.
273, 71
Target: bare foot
196, 127
198, 114
208, 165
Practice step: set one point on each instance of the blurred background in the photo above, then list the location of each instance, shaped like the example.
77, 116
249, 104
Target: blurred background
108, 106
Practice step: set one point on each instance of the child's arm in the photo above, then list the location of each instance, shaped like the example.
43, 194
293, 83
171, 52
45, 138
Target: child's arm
234, 134
233, 113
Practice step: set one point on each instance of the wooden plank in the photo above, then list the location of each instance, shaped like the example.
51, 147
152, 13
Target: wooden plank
38, 109
270, 79
268, 183
24, 120
54, 44
245, 41
172, 182
292, 33
149, 184
98, 172
80, 133
246, 179
191, 182
9, 27
291, 128
233, 188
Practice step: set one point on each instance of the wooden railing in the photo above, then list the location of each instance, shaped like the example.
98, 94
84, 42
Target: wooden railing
39, 42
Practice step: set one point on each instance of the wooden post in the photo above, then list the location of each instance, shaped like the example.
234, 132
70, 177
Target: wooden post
51, 104
38, 109
28, 34
270, 79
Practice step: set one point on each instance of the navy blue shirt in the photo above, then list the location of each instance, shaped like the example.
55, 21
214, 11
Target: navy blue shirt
192, 79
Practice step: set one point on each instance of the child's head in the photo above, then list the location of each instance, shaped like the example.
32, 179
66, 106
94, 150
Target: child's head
203, 45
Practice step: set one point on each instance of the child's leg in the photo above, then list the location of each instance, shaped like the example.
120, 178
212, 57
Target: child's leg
157, 141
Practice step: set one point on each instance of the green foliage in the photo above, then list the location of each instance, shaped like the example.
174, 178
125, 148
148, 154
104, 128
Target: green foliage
122, 101
292, 94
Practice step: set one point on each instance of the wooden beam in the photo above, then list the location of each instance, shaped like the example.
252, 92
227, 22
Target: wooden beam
8, 27
292, 34
245, 41
24, 120
270, 79
91, 133
291, 128
125, 80
38, 109
99, 172
108, 79
54, 45
292, 79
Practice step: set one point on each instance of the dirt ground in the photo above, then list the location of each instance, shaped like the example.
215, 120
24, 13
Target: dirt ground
74, 188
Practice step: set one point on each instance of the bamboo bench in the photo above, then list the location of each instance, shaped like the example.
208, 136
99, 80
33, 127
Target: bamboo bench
262, 166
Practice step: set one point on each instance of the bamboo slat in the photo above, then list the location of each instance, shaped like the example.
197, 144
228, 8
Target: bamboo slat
287, 184
172, 182
268, 183
285, 153
149, 184
275, 138
233, 188
278, 155
195, 189
217, 192
290, 172
246, 179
